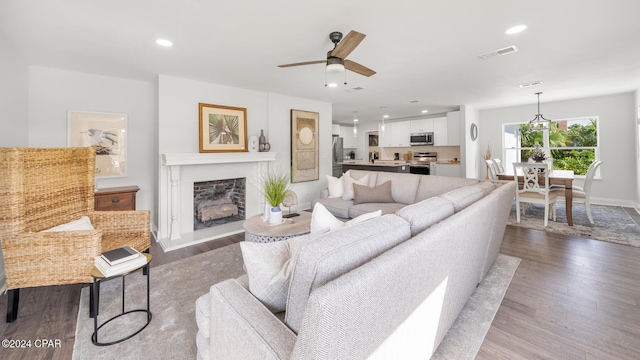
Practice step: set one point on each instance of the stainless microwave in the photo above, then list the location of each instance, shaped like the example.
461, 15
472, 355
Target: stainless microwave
421, 139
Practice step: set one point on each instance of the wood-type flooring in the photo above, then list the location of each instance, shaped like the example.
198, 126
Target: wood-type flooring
571, 298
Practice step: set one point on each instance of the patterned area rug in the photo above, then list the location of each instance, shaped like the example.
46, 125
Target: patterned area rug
612, 223
176, 286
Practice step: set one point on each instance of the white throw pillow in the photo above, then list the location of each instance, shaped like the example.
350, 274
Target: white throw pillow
322, 219
348, 192
84, 223
335, 186
269, 266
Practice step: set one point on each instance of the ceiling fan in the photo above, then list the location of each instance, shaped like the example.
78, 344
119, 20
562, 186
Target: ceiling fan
341, 49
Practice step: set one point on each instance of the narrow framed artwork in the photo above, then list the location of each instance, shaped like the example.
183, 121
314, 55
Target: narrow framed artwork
222, 128
304, 146
107, 133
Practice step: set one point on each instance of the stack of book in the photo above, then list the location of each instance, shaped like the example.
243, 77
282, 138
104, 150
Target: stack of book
120, 260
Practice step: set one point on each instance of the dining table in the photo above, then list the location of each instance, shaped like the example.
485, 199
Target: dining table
556, 177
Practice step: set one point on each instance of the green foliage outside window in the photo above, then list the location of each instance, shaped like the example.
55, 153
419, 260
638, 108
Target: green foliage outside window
561, 141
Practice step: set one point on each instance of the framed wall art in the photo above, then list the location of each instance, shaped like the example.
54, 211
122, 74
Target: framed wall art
107, 133
222, 128
304, 146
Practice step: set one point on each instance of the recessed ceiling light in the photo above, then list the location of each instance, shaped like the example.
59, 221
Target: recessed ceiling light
385, 116
332, 85
164, 42
425, 111
355, 120
515, 29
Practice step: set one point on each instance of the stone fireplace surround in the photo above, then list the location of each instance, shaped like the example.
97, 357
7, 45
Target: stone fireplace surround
178, 174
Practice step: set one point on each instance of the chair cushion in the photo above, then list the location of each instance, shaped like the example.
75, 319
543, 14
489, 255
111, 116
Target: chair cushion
537, 195
578, 193
84, 223
378, 194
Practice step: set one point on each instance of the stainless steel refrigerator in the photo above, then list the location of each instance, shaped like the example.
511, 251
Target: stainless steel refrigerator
337, 156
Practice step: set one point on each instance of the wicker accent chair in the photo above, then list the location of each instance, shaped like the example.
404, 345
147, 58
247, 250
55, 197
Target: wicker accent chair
44, 187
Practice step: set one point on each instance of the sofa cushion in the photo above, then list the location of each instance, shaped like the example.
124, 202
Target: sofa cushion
385, 208
486, 186
403, 186
348, 183
464, 196
359, 174
335, 186
268, 267
378, 194
332, 254
426, 213
336, 206
434, 185
321, 218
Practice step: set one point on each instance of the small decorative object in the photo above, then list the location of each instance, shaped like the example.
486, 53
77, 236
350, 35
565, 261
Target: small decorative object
290, 199
473, 132
262, 139
263, 145
538, 154
222, 128
253, 144
276, 184
487, 156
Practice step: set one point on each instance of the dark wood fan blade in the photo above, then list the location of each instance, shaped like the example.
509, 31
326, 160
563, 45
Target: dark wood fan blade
304, 63
348, 44
357, 68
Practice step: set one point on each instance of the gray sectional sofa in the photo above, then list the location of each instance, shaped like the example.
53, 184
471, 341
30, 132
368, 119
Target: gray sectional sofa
390, 287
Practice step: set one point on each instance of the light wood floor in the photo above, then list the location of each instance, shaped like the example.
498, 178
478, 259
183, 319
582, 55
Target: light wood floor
570, 298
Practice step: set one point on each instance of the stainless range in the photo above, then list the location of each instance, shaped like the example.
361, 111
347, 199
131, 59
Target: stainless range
420, 162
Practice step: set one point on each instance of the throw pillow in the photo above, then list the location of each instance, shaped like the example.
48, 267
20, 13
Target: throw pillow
269, 266
335, 186
378, 194
321, 218
348, 185
84, 223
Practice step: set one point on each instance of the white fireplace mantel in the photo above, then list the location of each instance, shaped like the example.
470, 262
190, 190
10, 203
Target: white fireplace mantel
174, 163
215, 158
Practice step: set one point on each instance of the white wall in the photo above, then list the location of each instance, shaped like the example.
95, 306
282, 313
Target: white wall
471, 159
53, 92
178, 129
617, 129
637, 134
14, 126
14, 73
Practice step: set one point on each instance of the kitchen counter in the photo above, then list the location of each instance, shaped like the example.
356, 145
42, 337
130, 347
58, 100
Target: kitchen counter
388, 166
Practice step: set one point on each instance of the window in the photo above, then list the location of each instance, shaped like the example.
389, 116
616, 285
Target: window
572, 143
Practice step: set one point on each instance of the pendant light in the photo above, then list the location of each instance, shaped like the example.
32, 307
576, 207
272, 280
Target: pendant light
539, 122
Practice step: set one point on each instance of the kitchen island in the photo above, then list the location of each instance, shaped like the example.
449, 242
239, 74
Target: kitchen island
379, 165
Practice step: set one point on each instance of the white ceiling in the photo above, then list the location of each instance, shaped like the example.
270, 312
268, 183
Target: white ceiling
422, 50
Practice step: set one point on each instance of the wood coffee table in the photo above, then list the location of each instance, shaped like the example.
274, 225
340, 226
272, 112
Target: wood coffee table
257, 230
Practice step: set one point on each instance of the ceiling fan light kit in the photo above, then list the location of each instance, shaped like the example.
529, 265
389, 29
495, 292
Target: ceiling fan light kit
336, 62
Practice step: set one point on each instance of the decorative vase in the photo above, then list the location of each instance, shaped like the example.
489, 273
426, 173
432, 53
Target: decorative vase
267, 211
275, 216
262, 139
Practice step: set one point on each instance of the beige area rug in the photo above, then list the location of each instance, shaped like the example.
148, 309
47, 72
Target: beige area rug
176, 286
612, 223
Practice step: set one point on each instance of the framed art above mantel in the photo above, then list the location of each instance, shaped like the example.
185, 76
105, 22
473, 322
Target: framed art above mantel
222, 128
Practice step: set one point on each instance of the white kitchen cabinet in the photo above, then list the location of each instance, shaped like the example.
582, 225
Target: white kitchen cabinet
348, 141
452, 170
453, 128
440, 131
400, 134
384, 138
421, 126
335, 129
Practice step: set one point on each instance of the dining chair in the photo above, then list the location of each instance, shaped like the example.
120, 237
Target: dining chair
583, 195
499, 165
532, 191
491, 170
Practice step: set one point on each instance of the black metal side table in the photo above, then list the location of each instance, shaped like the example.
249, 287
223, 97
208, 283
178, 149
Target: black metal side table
95, 300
